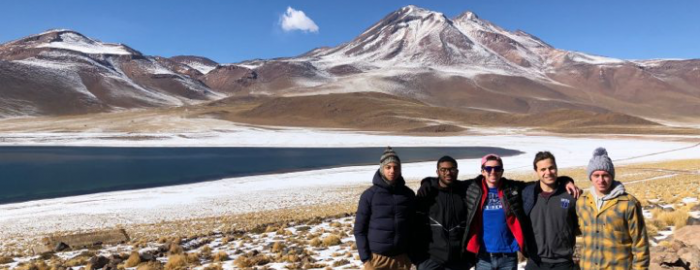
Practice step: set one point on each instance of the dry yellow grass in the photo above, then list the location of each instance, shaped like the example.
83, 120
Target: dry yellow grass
205, 252
134, 260
6, 259
150, 266
175, 249
340, 262
36, 265
315, 242
78, 260
651, 229
277, 247
221, 256
177, 262
249, 260
331, 240
213, 266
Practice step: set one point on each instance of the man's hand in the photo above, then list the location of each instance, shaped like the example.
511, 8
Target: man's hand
571, 188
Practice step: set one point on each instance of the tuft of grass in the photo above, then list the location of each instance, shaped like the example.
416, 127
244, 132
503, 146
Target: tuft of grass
78, 260
340, 262
213, 266
6, 259
205, 252
277, 247
665, 244
154, 265
177, 262
243, 262
175, 248
134, 260
678, 218
652, 229
315, 242
221, 256
331, 240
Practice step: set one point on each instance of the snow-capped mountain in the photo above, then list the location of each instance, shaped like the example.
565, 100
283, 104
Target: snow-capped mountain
65, 72
470, 63
464, 62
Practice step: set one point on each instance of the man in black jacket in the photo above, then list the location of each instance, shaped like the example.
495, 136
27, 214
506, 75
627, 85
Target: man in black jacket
384, 216
553, 219
440, 221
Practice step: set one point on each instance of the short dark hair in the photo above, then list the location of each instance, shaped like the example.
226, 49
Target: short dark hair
542, 155
446, 159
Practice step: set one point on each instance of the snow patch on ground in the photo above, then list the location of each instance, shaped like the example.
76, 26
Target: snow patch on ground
689, 200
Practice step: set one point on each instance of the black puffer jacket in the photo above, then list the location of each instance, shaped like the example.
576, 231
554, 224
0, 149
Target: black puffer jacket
384, 217
441, 217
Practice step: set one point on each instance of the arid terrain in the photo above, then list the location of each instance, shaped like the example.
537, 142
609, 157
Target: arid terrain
352, 111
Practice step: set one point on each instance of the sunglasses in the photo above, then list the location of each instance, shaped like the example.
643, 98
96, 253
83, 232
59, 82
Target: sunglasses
492, 168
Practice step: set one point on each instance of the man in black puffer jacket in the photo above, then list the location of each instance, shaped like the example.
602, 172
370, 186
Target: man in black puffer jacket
383, 221
441, 217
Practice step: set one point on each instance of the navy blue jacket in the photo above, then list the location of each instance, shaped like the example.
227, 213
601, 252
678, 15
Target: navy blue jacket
383, 220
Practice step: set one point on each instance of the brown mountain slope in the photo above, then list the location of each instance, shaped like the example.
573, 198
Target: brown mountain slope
384, 112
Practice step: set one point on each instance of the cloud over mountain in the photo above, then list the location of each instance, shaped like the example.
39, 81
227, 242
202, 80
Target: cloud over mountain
297, 20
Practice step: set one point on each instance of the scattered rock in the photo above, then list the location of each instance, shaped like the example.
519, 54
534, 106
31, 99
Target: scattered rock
681, 254
693, 221
688, 235
60, 246
98, 262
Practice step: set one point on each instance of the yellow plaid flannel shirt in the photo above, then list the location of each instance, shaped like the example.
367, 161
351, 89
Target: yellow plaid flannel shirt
614, 237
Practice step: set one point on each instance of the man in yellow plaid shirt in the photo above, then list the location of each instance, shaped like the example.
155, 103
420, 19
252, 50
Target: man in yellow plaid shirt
611, 221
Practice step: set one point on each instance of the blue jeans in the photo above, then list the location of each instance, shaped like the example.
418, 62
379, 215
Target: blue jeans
497, 261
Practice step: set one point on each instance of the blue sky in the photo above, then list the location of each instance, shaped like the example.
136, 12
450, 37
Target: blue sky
232, 31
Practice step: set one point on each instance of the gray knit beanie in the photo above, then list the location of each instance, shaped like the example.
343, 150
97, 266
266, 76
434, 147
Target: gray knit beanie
389, 156
600, 162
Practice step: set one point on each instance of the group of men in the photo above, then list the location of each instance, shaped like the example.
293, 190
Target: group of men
484, 222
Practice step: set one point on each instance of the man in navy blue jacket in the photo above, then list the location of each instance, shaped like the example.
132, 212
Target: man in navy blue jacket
382, 224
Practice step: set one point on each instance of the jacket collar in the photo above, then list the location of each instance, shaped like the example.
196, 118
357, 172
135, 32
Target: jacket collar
378, 180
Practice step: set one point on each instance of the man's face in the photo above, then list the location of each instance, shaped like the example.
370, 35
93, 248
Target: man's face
602, 181
546, 171
391, 171
492, 172
447, 173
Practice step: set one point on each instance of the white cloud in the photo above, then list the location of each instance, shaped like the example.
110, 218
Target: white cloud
296, 20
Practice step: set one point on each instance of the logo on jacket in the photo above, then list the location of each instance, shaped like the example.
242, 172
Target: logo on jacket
565, 203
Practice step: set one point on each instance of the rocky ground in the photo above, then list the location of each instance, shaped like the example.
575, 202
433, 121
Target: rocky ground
312, 244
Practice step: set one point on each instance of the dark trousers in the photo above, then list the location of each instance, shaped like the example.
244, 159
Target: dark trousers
531, 265
433, 265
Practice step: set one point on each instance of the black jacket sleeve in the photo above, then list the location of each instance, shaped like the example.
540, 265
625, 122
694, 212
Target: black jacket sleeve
364, 211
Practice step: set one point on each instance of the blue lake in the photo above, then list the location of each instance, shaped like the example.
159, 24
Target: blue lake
30, 173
